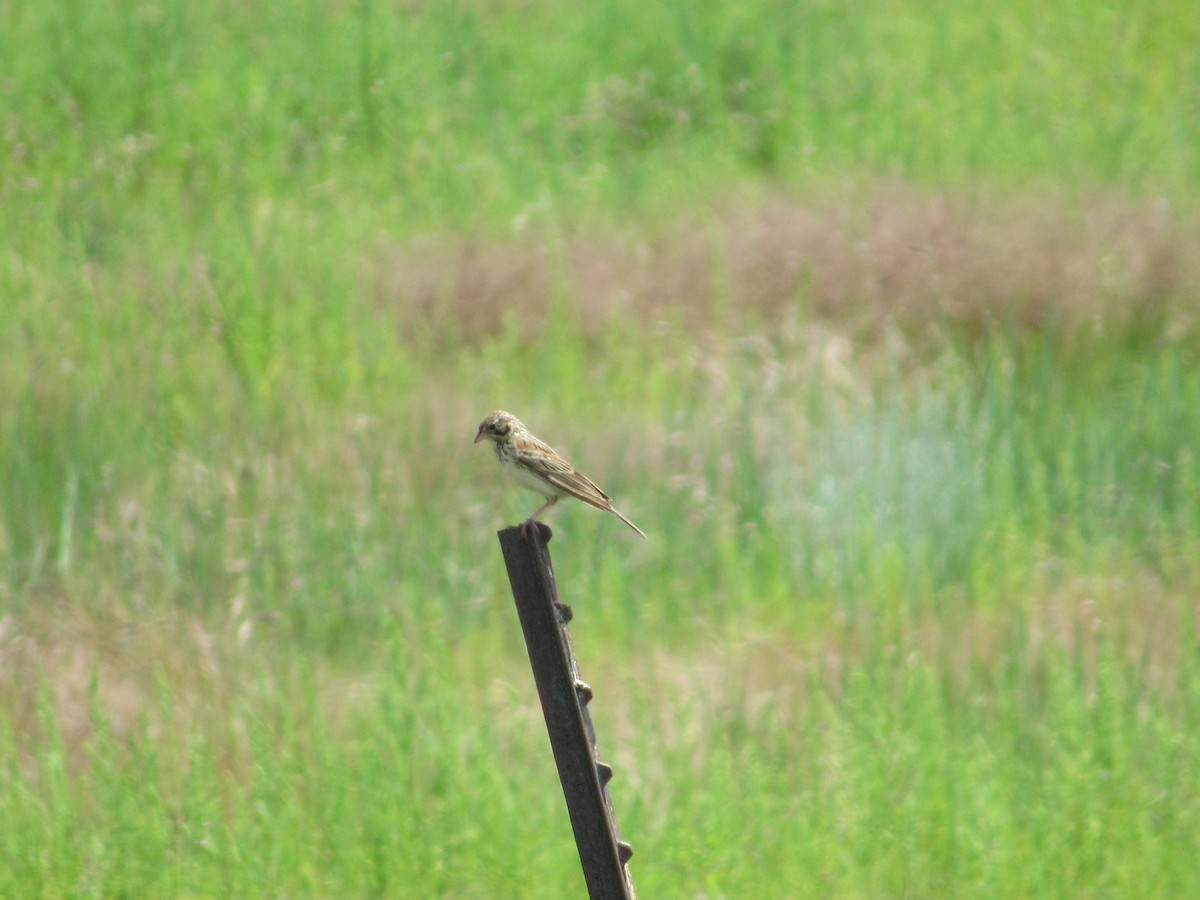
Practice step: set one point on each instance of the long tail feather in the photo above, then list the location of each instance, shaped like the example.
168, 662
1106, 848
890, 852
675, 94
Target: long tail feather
626, 521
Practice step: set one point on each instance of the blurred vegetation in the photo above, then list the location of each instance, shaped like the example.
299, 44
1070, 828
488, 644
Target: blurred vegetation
882, 321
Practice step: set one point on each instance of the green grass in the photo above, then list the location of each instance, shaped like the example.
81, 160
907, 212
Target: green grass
916, 613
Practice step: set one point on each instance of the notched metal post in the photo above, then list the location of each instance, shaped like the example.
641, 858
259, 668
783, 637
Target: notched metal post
564, 697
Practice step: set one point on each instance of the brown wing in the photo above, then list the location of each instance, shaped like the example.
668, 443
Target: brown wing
539, 458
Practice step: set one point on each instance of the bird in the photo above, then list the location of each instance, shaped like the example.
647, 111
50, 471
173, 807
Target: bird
536, 466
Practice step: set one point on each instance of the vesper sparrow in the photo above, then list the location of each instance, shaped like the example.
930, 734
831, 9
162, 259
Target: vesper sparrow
535, 466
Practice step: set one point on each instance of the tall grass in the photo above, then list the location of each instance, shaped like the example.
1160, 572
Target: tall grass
916, 455
130, 127
925, 631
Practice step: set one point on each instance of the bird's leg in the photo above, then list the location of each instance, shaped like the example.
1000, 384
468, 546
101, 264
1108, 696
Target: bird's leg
550, 501
530, 525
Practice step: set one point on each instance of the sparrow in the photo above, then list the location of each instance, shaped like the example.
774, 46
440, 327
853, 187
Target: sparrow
535, 466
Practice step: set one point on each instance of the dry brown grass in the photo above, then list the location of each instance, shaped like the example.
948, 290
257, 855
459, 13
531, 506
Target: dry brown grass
176, 679
895, 255
86, 670
75, 679
981, 657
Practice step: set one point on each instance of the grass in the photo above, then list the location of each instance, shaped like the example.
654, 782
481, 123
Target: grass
880, 322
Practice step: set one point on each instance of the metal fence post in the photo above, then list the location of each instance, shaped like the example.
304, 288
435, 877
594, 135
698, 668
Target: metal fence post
564, 697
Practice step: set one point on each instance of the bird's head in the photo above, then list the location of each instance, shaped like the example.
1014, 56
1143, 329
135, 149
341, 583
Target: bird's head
497, 426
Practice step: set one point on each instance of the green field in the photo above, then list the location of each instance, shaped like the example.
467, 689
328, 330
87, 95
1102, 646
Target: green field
881, 319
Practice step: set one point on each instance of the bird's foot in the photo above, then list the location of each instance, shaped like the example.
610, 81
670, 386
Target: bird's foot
533, 530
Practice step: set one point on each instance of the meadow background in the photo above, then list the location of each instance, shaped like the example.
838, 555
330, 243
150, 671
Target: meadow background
880, 318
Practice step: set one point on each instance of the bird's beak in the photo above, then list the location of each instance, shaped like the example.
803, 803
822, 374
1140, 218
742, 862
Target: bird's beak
478, 436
